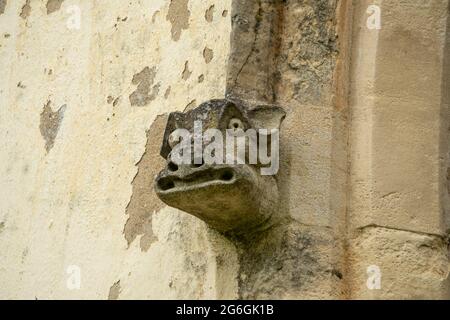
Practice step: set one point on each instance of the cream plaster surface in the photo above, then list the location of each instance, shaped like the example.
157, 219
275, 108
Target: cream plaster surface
66, 207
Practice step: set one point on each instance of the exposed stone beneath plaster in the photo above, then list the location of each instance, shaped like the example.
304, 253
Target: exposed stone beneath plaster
208, 54
114, 291
143, 202
290, 261
3, 4
146, 91
209, 14
53, 5
411, 265
26, 10
186, 72
50, 124
178, 15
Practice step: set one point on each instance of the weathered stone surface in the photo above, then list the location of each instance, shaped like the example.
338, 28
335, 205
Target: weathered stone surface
400, 102
254, 44
411, 265
309, 51
146, 91
291, 261
400, 141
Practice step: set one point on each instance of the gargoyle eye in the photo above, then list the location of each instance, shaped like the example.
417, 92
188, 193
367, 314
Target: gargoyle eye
235, 124
174, 139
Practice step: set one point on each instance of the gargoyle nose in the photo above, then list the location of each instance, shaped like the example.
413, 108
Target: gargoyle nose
172, 166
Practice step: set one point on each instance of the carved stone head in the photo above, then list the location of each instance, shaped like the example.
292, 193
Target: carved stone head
229, 187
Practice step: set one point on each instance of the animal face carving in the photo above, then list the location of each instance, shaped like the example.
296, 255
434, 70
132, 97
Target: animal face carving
228, 184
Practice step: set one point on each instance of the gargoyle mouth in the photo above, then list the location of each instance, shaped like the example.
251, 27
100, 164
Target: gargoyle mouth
196, 180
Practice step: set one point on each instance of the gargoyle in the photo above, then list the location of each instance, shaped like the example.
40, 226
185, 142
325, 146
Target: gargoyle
237, 196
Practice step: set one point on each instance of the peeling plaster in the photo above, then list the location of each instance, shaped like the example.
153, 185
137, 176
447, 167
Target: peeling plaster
209, 14
178, 15
208, 54
114, 291
144, 81
26, 10
191, 105
167, 93
50, 124
144, 202
186, 73
155, 16
53, 5
2, 6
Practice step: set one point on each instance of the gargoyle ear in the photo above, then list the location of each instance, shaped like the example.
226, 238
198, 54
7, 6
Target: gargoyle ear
174, 121
266, 117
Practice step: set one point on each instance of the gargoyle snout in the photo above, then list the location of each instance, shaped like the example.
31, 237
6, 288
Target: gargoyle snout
175, 176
